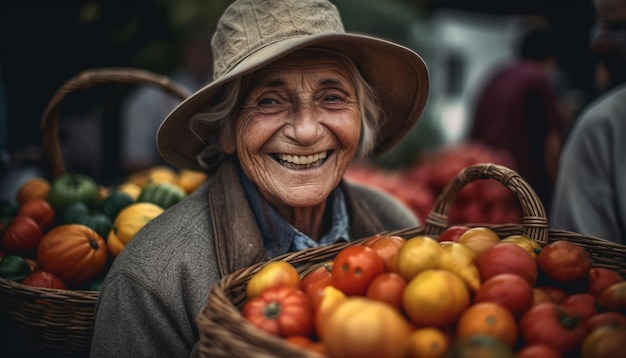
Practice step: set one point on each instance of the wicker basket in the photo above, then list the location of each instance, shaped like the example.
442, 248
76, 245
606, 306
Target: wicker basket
51, 322
225, 333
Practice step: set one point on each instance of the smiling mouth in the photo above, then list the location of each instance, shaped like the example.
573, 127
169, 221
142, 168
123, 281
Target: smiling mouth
301, 161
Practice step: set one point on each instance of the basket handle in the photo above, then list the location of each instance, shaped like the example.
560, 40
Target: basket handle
534, 218
87, 79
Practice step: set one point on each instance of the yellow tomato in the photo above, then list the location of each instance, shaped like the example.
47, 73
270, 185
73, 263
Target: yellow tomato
418, 253
479, 239
364, 328
460, 253
525, 243
274, 273
435, 297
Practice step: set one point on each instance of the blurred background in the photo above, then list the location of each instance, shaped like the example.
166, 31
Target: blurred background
44, 43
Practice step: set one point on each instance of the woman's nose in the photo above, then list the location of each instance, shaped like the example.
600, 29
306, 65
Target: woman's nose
306, 125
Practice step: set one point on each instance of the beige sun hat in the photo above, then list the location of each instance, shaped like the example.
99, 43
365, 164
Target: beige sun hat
253, 33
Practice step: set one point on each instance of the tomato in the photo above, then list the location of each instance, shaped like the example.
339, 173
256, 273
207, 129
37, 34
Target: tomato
361, 327
21, 236
44, 279
606, 318
479, 239
282, 311
387, 287
511, 291
581, 304
564, 261
355, 267
537, 351
488, 318
453, 233
604, 342
386, 247
553, 325
39, 210
601, 278
328, 300
274, 273
613, 298
480, 345
316, 279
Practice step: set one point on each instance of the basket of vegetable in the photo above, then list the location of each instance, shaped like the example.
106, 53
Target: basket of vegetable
431, 290
53, 246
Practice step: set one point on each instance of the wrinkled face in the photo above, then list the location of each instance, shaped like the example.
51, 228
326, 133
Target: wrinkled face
298, 128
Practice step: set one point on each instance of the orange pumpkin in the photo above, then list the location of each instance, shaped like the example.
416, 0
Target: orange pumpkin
74, 252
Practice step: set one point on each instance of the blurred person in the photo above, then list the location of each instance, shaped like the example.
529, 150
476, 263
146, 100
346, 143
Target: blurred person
590, 191
518, 111
294, 101
146, 107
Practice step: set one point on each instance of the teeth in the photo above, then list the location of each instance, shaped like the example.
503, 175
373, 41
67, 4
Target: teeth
301, 161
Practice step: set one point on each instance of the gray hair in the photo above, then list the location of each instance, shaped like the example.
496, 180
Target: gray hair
220, 115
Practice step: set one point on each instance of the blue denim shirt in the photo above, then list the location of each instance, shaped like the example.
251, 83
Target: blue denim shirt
280, 237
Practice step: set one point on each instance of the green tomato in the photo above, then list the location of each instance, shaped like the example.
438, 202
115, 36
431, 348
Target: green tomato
70, 188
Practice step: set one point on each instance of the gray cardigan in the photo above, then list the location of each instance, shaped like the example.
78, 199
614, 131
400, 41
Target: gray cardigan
159, 283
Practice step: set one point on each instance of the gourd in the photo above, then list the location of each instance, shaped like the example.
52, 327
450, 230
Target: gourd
114, 203
74, 252
79, 213
128, 222
14, 268
162, 194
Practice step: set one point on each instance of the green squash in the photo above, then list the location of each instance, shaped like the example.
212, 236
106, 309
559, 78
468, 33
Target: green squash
14, 268
69, 188
114, 203
80, 213
162, 194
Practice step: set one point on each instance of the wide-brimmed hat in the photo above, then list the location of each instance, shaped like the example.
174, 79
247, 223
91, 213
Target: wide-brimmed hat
254, 33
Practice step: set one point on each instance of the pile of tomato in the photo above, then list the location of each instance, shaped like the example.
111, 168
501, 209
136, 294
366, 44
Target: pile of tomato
460, 294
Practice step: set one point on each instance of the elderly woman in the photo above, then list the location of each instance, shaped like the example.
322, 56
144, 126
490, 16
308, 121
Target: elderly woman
295, 99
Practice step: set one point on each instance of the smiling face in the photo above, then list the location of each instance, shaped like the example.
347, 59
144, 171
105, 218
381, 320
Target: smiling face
298, 129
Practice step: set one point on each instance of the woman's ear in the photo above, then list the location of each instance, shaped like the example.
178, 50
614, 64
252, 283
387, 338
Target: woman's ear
228, 144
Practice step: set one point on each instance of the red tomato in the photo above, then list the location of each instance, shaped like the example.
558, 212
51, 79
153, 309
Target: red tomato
605, 341
355, 267
40, 210
453, 233
386, 247
614, 298
553, 325
281, 310
606, 318
22, 236
601, 278
581, 304
512, 291
387, 287
316, 279
537, 351
44, 279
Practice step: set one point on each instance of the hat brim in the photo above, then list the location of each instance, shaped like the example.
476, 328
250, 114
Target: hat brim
397, 74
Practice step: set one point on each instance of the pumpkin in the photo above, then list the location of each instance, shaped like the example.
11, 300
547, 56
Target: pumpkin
79, 213
128, 222
32, 188
114, 203
74, 252
162, 194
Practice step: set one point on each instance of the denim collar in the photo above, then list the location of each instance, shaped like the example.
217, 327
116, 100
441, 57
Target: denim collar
280, 237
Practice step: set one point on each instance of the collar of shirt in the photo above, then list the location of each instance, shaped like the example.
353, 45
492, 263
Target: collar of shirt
280, 237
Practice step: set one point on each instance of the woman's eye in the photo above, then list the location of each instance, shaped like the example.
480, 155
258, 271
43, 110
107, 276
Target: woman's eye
267, 102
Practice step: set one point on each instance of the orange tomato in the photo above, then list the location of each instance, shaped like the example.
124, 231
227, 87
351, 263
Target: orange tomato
364, 328
435, 298
386, 247
387, 287
427, 342
479, 239
488, 318
33, 188
274, 273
